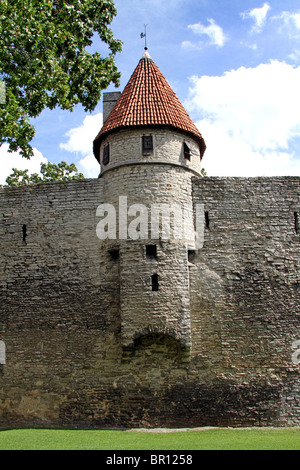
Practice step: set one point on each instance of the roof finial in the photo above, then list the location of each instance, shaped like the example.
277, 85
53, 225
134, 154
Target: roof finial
144, 35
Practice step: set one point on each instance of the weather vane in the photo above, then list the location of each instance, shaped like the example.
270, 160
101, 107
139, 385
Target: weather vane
144, 35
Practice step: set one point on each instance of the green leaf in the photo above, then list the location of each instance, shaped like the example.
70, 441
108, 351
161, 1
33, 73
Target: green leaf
44, 62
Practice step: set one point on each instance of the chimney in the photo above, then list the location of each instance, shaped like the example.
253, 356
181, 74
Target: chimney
109, 101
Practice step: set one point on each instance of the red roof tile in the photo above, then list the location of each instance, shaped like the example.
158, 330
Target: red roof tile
148, 100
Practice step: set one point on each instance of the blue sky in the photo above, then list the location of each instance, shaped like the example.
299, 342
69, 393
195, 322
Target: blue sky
234, 64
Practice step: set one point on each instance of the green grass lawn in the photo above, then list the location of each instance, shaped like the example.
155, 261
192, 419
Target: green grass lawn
206, 439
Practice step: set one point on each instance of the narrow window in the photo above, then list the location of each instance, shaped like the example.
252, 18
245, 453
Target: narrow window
186, 151
191, 256
207, 220
297, 226
151, 251
105, 159
147, 145
24, 232
154, 281
115, 254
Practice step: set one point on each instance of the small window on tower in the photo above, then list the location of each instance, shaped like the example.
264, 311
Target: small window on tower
151, 251
191, 256
154, 282
297, 222
147, 143
105, 159
24, 232
207, 220
115, 254
186, 151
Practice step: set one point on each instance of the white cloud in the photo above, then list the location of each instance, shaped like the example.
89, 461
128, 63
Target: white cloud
8, 161
252, 46
250, 117
80, 141
213, 31
290, 18
80, 138
259, 15
295, 56
289, 24
228, 155
189, 45
89, 166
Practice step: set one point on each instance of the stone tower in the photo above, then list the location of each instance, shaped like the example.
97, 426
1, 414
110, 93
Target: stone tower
149, 149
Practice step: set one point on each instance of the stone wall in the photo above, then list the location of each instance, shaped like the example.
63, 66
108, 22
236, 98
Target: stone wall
245, 284
61, 314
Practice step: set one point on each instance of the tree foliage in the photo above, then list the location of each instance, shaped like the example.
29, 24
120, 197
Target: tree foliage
44, 61
50, 172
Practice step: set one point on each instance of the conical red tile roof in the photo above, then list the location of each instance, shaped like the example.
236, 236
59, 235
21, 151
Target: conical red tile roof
148, 100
